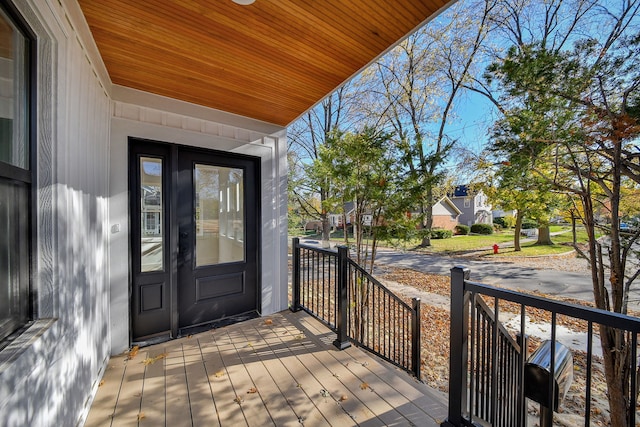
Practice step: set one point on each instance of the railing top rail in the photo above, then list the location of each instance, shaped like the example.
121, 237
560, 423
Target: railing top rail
317, 249
380, 285
595, 315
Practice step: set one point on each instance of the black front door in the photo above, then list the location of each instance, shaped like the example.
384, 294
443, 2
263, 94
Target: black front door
194, 222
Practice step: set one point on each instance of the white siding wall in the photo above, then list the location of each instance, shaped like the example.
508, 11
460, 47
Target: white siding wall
51, 373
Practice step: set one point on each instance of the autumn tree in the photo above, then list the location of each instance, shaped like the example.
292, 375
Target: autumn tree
575, 114
413, 91
360, 166
306, 137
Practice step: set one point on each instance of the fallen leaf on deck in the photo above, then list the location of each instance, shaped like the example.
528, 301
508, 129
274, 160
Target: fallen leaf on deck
133, 352
343, 398
219, 374
364, 386
101, 383
152, 360
141, 415
238, 400
268, 322
252, 390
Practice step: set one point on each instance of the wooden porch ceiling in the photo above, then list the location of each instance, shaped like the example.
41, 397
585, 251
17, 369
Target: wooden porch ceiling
271, 60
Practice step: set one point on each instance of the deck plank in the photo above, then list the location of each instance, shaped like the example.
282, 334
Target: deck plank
229, 412
251, 403
152, 408
177, 392
103, 409
127, 409
278, 366
273, 398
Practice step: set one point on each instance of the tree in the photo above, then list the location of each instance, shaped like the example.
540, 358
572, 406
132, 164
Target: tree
413, 91
307, 136
576, 117
359, 167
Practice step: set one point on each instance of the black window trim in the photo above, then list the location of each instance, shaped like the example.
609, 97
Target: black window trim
28, 177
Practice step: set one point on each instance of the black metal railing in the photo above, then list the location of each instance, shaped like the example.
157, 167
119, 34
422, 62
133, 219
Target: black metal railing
488, 384
495, 359
335, 289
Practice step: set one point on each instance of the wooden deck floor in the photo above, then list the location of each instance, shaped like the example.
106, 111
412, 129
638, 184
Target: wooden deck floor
279, 370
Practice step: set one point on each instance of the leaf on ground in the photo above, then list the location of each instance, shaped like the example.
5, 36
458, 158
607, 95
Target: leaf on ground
298, 337
252, 390
343, 398
364, 386
141, 416
336, 375
268, 322
133, 352
101, 383
152, 360
219, 374
324, 393
238, 400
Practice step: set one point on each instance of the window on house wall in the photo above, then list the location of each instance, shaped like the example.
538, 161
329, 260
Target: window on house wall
16, 174
467, 203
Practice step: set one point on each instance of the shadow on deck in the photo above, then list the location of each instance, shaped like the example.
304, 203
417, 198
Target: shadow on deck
278, 370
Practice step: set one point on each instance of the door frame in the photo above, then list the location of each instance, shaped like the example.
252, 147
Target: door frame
140, 146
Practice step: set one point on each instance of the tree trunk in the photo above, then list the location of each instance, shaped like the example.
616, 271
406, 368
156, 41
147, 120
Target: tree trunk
574, 233
428, 218
326, 230
518, 229
544, 236
617, 373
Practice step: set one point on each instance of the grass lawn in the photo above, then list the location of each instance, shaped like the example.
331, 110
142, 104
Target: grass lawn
483, 242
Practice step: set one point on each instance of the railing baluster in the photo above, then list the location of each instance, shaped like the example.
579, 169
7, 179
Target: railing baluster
634, 386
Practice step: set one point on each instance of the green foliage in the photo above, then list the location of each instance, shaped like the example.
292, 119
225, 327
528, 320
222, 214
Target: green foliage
529, 224
499, 221
438, 233
482, 228
509, 221
462, 229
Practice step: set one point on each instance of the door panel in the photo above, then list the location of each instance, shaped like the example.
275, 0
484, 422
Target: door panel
150, 220
194, 238
217, 264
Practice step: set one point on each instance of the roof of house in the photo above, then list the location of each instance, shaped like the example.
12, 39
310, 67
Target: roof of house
270, 61
447, 201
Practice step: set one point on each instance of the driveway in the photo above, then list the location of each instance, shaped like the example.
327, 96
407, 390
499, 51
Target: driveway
503, 274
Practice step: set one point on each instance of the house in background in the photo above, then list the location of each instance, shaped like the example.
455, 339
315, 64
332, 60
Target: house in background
446, 214
473, 205
143, 171
500, 213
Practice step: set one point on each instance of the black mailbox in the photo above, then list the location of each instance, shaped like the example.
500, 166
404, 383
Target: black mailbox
537, 373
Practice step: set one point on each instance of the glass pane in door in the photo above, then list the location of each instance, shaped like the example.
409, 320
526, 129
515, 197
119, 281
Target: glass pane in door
219, 214
151, 215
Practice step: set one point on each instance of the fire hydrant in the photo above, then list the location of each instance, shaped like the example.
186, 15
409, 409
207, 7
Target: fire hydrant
495, 248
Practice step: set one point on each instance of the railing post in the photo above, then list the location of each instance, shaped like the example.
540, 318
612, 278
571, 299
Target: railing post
342, 340
415, 338
295, 285
458, 354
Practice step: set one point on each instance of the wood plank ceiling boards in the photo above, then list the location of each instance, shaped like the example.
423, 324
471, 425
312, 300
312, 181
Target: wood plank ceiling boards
271, 60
